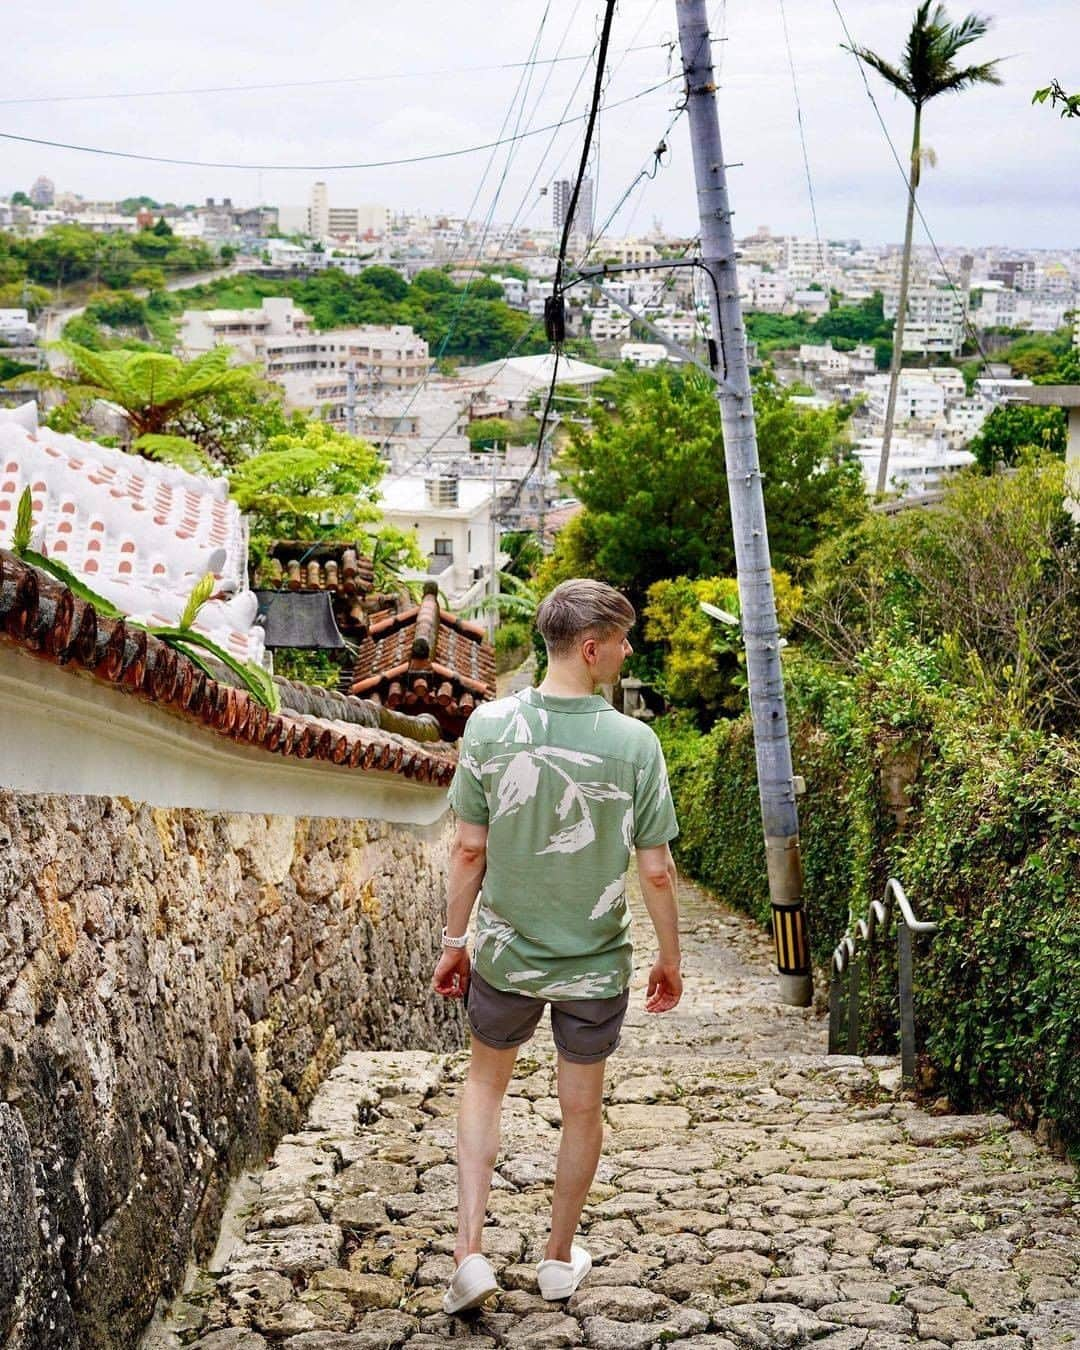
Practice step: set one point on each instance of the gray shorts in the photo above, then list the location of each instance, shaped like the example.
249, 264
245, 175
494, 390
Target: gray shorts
585, 1029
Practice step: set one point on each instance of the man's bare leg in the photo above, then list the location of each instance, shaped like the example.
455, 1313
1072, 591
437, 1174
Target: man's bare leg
478, 1140
581, 1092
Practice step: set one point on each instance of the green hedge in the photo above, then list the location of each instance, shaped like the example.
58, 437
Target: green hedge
991, 851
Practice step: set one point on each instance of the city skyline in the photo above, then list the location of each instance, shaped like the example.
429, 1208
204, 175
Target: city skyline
1003, 166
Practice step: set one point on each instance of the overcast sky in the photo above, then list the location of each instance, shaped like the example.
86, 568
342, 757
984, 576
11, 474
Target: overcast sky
1006, 172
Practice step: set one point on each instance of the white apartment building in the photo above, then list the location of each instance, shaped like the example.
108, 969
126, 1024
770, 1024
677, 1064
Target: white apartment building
996, 389
645, 355
965, 419
915, 465
200, 330
772, 290
681, 328
452, 518
608, 325
918, 398
279, 336
321, 220
824, 358
625, 250
805, 259
935, 319
16, 328
814, 303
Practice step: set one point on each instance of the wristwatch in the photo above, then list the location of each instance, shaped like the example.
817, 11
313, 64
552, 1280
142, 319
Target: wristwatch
448, 941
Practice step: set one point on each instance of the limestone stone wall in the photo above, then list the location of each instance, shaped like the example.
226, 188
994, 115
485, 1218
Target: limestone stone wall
174, 984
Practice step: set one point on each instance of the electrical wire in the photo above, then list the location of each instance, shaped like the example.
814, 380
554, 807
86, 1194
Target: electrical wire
822, 258
308, 84
522, 89
322, 168
556, 290
962, 300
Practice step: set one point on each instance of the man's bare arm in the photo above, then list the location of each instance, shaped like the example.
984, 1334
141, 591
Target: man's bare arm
468, 863
656, 870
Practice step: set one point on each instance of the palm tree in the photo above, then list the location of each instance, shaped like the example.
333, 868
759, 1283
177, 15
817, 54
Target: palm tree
928, 68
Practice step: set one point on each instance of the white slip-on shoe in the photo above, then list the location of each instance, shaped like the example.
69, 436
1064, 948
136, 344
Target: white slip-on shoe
473, 1282
559, 1279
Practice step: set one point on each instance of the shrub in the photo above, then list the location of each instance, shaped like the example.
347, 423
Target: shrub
990, 851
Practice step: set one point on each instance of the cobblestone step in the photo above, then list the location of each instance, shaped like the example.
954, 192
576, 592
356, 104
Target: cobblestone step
754, 1193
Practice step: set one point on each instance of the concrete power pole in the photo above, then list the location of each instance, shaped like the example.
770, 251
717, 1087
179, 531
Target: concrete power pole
350, 397
761, 635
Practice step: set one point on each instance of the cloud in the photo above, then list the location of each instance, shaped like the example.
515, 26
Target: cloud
1005, 168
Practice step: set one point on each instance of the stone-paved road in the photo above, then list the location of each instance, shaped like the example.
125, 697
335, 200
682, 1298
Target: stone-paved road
754, 1193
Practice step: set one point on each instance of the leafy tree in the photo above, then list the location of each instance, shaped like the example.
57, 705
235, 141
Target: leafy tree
863, 322
704, 665
392, 552
1013, 429
927, 69
153, 389
652, 479
992, 573
149, 278
317, 483
163, 229
773, 332
1069, 104
237, 423
20, 198
23, 295
524, 553
485, 432
63, 253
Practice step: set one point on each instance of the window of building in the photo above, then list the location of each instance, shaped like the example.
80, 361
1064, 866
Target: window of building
444, 548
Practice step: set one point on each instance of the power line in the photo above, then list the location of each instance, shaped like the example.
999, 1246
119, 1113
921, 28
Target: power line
972, 330
554, 313
324, 168
308, 84
522, 89
822, 260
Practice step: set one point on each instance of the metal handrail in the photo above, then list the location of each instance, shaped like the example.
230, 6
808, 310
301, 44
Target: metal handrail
848, 957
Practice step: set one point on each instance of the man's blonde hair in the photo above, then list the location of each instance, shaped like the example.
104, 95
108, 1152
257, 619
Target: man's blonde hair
582, 608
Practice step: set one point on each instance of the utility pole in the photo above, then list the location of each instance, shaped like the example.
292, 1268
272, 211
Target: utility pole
350, 397
761, 634
493, 574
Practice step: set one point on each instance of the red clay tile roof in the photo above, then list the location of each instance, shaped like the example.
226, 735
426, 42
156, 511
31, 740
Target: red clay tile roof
42, 616
426, 660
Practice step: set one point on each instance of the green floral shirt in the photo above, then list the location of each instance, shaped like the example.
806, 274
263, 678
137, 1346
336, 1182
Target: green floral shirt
567, 787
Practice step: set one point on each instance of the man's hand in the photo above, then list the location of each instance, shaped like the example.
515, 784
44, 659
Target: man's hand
665, 987
451, 978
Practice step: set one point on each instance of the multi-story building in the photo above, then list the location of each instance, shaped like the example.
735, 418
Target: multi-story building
320, 219
280, 337
629, 250
1019, 274
646, 355
682, 328
805, 259
918, 397
916, 465
452, 518
43, 192
935, 318
772, 290
561, 192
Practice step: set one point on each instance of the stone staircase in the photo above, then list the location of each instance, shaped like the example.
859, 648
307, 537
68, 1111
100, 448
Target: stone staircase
754, 1193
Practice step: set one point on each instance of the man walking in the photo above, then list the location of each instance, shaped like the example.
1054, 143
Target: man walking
553, 789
